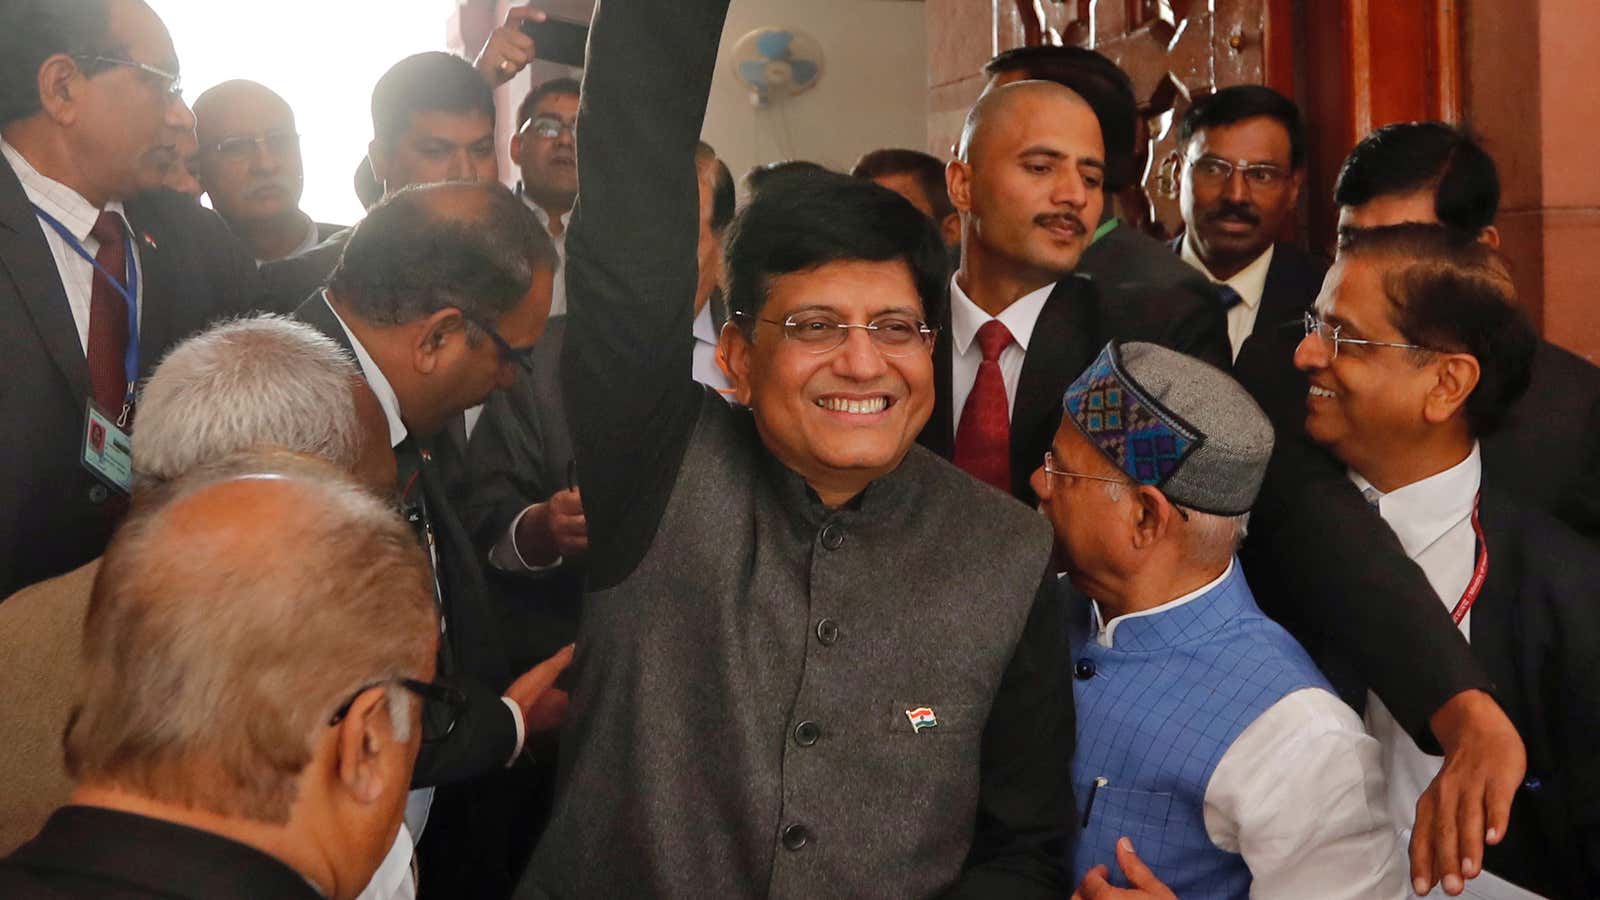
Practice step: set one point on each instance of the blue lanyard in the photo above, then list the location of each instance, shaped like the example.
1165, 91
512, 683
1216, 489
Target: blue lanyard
128, 287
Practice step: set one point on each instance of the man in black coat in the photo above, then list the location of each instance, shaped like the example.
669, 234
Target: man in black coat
1243, 161
455, 329
1417, 355
1021, 323
90, 119
1122, 260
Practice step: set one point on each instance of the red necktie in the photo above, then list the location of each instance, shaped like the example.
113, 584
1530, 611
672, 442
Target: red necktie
983, 439
108, 317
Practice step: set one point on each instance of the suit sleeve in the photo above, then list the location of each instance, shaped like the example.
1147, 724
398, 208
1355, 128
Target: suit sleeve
1198, 326
631, 267
482, 741
505, 459
1025, 788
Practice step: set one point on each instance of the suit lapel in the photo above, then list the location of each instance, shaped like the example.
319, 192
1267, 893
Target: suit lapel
1283, 294
1063, 343
1496, 621
25, 255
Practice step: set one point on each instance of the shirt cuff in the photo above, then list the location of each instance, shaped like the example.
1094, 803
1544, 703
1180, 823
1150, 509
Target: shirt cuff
505, 556
522, 731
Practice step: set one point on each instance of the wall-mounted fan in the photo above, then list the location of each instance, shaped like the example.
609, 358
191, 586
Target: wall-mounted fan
775, 63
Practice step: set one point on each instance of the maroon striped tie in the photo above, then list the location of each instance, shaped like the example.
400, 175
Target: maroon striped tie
108, 317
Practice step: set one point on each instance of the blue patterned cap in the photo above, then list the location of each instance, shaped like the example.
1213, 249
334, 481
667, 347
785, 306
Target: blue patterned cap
1173, 422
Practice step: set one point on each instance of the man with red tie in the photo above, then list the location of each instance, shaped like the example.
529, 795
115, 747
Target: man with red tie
1029, 184
97, 279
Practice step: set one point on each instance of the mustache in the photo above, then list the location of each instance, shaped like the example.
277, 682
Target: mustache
1070, 220
286, 183
1239, 212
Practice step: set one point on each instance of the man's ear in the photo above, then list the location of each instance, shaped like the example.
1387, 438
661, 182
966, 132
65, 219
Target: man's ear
958, 181
362, 738
432, 335
1490, 236
950, 230
60, 88
379, 160
1457, 375
733, 355
516, 147
1153, 518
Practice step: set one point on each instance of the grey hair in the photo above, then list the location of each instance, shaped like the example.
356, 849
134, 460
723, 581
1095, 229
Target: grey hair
1209, 537
210, 662
263, 381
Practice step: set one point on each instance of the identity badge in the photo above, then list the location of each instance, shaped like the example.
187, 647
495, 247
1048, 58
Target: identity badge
107, 451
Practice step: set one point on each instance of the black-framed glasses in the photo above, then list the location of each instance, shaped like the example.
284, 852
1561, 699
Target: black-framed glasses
549, 127
821, 332
1213, 171
242, 148
173, 86
442, 705
1050, 468
512, 356
1329, 334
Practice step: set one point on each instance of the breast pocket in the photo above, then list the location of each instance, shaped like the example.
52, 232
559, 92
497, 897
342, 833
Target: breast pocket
1112, 813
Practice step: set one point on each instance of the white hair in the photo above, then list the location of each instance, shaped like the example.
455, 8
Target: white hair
263, 381
1214, 538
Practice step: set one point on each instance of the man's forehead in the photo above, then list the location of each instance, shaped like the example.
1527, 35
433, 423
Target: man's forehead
558, 104
465, 127
243, 113
136, 28
1259, 135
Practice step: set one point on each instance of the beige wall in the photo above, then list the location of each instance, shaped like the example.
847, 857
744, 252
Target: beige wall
873, 92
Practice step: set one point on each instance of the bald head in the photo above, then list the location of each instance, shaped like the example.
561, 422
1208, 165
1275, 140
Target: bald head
249, 162
234, 610
1003, 106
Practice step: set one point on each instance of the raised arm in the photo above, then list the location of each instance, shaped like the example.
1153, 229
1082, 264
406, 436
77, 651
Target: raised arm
631, 268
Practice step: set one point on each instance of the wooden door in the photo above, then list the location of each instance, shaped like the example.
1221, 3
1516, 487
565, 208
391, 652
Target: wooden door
1174, 51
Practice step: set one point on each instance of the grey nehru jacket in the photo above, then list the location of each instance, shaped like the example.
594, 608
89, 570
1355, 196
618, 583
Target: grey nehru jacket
747, 657
740, 724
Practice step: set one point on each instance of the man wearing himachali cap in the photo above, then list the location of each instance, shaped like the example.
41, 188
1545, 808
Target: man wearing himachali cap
1213, 758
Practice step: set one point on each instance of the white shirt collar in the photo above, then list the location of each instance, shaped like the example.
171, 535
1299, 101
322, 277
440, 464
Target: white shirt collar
544, 217
1251, 281
381, 387
1421, 512
966, 317
1104, 631
306, 242
63, 203
704, 332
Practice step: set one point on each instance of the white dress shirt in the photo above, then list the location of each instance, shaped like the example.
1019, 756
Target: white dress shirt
394, 879
966, 317
1300, 795
1249, 284
78, 215
558, 296
1433, 520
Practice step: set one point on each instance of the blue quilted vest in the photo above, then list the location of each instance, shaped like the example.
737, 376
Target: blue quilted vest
1155, 714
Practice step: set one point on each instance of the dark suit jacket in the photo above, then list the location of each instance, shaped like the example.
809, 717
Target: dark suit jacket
1294, 278
1077, 321
55, 515
86, 851
468, 848
1126, 260
519, 454
1536, 630
290, 282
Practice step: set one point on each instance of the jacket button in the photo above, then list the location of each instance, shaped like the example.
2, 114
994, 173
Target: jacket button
98, 493
806, 733
1084, 669
832, 536
828, 632
795, 837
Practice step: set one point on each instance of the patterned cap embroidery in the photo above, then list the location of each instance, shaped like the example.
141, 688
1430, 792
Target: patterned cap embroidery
1132, 430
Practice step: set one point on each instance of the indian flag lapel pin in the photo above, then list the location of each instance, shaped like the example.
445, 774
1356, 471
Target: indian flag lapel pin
921, 717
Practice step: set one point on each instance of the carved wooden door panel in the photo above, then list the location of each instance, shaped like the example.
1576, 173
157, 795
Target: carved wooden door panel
1174, 50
